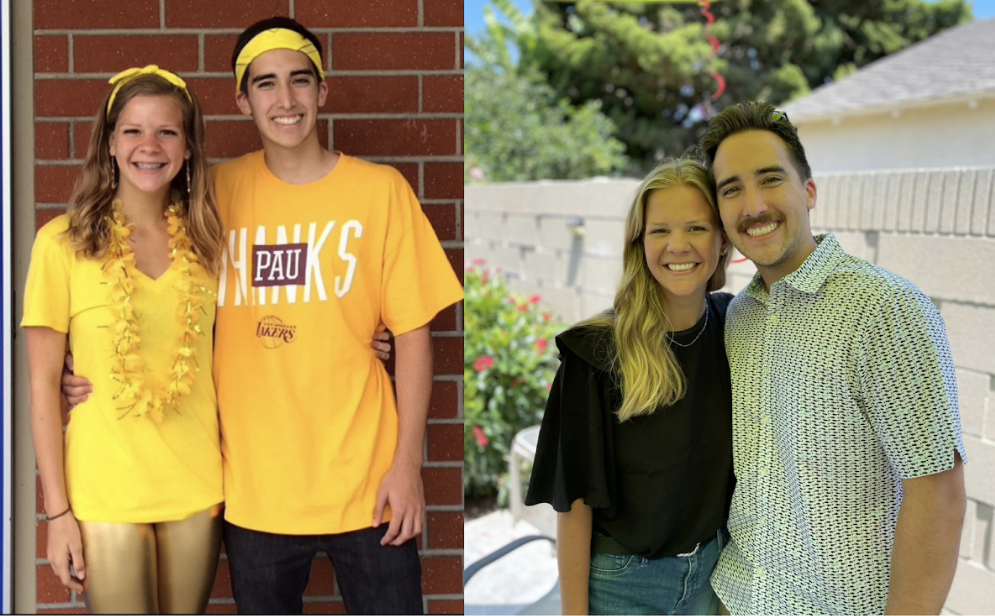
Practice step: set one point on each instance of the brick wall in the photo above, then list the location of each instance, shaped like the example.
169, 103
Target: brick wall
395, 70
934, 227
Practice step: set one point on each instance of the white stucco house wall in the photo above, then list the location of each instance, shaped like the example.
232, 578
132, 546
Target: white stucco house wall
930, 105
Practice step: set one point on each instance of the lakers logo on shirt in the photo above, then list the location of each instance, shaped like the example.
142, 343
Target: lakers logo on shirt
273, 332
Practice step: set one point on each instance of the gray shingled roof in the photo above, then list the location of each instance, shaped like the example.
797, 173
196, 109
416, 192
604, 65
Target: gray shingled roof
955, 64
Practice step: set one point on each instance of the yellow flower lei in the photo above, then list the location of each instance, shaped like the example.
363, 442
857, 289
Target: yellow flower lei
135, 398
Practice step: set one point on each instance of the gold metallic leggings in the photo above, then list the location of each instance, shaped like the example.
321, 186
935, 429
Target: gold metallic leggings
164, 568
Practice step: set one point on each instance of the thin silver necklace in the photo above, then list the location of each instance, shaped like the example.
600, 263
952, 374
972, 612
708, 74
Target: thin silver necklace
703, 327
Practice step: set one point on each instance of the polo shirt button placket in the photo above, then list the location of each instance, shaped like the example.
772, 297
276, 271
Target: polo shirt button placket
766, 441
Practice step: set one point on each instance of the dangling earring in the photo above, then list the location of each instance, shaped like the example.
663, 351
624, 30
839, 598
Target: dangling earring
188, 178
113, 173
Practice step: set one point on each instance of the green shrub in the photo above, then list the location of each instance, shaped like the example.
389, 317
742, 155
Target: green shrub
509, 360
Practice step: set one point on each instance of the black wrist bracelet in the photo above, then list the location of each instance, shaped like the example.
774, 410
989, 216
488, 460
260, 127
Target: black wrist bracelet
49, 518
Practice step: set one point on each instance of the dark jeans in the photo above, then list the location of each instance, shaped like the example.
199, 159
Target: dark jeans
270, 572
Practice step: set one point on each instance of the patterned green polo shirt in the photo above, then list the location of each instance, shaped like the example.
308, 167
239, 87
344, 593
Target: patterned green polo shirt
842, 385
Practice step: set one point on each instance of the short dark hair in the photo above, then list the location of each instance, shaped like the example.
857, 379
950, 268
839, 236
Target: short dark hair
268, 24
753, 116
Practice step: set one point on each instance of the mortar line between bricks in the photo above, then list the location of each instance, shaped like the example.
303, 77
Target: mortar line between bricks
321, 116
445, 422
72, 140
421, 179
449, 378
292, 8
162, 14
56, 163
444, 508
444, 597
331, 60
442, 552
421, 13
447, 334
200, 53
70, 47
388, 159
217, 159
411, 159
414, 72
318, 31
442, 465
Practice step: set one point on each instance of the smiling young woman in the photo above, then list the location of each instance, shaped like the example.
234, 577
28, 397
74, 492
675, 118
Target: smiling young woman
134, 488
635, 450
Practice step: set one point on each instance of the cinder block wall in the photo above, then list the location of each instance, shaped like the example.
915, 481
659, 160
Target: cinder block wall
934, 227
395, 70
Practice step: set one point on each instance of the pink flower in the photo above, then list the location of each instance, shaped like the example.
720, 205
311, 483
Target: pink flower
476, 173
483, 363
478, 433
534, 299
547, 317
541, 345
478, 261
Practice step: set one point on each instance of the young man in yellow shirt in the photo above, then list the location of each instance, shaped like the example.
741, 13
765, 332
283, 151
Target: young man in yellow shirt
321, 248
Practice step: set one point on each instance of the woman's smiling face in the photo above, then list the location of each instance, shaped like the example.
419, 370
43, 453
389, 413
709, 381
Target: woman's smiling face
682, 239
149, 144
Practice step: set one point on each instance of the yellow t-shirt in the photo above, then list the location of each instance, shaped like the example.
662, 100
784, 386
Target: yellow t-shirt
308, 415
127, 469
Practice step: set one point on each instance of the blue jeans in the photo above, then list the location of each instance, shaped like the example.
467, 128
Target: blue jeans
270, 572
674, 585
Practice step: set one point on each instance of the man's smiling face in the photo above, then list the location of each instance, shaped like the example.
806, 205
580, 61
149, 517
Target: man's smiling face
283, 97
764, 202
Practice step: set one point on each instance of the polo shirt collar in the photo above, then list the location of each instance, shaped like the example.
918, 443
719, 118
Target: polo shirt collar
812, 274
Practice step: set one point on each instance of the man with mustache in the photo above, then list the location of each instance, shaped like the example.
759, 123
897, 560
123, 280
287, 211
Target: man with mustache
846, 435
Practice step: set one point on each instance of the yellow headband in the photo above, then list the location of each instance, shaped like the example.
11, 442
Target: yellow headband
127, 75
268, 40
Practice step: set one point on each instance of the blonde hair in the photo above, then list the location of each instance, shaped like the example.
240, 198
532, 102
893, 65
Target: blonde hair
93, 193
649, 375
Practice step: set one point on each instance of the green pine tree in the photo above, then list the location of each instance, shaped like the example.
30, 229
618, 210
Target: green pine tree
648, 63
517, 127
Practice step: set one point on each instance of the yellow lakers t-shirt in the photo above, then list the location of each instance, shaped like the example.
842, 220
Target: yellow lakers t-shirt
308, 415
122, 468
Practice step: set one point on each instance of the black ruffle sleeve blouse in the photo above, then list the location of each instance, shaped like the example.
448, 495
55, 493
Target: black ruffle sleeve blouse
658, 484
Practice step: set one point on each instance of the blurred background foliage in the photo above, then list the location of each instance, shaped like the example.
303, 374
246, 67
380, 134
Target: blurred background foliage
509, 361
612, 87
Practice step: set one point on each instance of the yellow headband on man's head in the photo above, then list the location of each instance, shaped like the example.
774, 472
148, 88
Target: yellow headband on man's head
275, 38
127, 75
